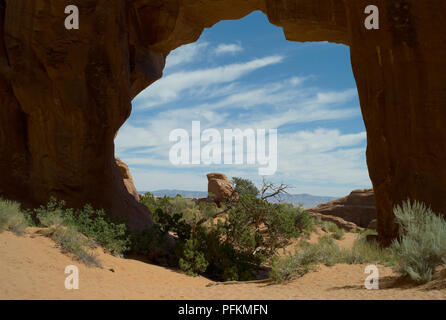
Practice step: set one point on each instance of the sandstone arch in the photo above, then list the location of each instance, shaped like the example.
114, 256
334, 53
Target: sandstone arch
65, 93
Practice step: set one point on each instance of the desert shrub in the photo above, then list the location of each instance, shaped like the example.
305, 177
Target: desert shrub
70, 240
192, 260
146, 242
304, 259
337, 233
96, 225
53, 214
364, 251
11, 217
291, 266
200, 246
259, 226
226, 261
247, 232
422, 246
90, 222
293, 217
327, 252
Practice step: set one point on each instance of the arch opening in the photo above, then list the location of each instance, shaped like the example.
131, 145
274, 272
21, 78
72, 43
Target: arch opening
244, 74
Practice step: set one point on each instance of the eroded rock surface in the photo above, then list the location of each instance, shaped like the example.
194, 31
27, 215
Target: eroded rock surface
128, 179
65, 93
341, 223
358, 207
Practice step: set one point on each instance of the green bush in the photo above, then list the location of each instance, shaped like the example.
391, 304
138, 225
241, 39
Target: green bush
422, 246
92, 223
96, 225
146, 242
11, 217
249, 232
192, 260
226, 261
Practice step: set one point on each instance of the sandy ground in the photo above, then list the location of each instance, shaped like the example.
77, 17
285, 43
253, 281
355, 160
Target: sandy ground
31, 267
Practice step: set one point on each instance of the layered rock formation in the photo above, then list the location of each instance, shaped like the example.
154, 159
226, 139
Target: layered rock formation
358, 207
66, 93
341, 223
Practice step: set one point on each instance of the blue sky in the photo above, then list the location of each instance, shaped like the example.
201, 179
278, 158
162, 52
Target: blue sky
244, 74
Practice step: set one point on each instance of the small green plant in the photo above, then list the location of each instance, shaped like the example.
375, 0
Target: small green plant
422, 246
11, 217
331, 227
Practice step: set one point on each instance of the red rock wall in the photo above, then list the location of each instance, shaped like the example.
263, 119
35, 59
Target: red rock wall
66, 93
401, 79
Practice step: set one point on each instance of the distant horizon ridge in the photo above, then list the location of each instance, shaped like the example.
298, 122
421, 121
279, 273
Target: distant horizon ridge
306, 199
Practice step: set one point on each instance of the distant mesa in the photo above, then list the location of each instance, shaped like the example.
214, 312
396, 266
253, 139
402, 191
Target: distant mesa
307, 200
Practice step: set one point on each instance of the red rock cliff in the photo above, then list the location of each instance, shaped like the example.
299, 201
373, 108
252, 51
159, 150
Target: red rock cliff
66, 93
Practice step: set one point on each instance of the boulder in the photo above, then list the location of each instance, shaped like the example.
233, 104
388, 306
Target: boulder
358, 207
219, 186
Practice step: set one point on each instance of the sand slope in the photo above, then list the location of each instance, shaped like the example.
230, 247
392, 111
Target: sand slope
31, 267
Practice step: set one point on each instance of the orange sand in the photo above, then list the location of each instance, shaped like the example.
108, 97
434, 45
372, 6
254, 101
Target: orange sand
32, 268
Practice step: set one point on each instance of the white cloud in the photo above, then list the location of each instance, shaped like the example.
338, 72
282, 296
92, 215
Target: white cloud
185, 54
319, 140
228, 48
289, 103
320, 157
336, 96
324, 156
300, 115
170, 88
